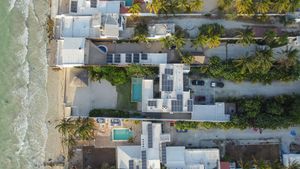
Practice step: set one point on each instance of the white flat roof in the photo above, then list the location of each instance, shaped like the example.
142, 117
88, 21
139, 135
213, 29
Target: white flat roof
214, 112
76, 26
126, 153
71, 52
179, 157
104, 7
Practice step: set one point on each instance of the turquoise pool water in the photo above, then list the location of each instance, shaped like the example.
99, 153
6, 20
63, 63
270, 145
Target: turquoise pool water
128, 2
121, 134
136, 90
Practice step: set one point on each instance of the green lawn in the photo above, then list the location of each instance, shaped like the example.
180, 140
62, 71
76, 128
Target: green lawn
124, 97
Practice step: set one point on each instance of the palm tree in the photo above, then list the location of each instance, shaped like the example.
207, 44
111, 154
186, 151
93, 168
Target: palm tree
246, 37
244, 6
293, 5
135, 9
263, 6
225, 5
173, 40
293, 165
66, 126
201, 40
263, 61
281, 6
183, 5
196, 5
187, 58
86, 128
289, 58
155, 6
245, 64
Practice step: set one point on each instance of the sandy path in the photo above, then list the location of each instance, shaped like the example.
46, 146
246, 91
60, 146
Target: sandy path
55, 89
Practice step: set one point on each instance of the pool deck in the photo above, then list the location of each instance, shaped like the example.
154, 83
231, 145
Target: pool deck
104, 140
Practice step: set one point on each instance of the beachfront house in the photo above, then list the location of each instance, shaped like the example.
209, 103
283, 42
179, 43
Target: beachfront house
173, 100
91, 19
154, 153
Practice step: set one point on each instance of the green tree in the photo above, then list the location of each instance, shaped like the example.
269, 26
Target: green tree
246, 37
196, 5
245, 65
244, 6
155, 6
289, 58
262, 6
141, 32
209, 36
251, 107
173, 41
263, 61
225, 5
281, 6
86, 128
187, 58
183, 5
66, 126
135, 9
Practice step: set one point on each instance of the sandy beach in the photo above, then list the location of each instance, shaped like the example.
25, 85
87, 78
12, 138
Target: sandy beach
55, 89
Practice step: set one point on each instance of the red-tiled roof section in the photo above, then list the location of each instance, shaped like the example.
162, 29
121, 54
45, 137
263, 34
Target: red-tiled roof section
225, 165
123, 9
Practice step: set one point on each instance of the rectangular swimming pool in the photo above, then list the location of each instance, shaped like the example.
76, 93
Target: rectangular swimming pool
121, 134
136, 89
128, 2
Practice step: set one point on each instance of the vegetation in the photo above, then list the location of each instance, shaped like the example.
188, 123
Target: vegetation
252, 7
120, 75
124, 98
135, 9
50, 28
187, 58
273, 40
258, 112
74, 129
108, 113
174, 6
246, 37
260, 67
209, 36
141, 32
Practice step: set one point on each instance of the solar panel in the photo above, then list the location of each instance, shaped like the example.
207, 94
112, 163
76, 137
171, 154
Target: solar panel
167, 85
150, 138
163, 153
152, 103
144, 160
144, 56
130, 164
109, 58
176, 106
128, 58
93, 3
74, 6
136, 58
179, 97
169, 71
190, 105
117, 58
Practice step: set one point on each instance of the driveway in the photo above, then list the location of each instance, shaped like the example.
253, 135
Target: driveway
232, 89
198, 137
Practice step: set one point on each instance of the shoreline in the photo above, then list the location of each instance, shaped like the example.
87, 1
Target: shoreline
54, 150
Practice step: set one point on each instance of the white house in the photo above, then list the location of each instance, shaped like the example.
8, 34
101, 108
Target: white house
153, 152
71, 52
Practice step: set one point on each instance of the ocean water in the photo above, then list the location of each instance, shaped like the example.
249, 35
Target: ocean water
23, 78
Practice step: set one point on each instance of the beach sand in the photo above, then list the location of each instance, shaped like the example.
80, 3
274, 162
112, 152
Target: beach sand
55, 89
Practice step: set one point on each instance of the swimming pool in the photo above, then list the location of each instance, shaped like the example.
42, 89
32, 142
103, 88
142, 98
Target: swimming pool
136, 89
128, 2
121, 134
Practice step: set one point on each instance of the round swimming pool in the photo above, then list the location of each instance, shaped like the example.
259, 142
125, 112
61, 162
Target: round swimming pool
103, 48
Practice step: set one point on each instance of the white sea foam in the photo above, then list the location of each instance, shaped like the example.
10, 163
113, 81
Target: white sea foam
23, 6
11, 5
